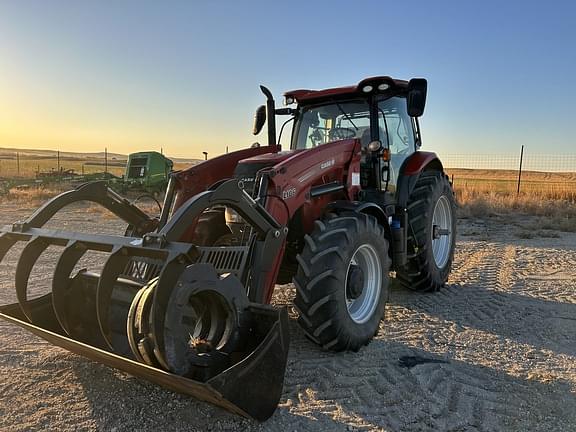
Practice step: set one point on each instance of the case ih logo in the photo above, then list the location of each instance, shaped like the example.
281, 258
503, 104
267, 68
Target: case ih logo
289, 193
327, 164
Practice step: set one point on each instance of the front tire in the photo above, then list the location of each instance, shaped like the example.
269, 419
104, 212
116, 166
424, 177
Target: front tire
342, 282
431, 233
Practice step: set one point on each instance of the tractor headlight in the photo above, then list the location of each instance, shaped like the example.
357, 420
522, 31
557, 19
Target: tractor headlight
367, 88
232, 216
383, 86
374, 146
288, 100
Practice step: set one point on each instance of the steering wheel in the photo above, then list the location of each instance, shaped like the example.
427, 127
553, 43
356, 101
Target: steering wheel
341, 134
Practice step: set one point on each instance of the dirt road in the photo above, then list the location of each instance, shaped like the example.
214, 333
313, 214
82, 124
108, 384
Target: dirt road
494, 350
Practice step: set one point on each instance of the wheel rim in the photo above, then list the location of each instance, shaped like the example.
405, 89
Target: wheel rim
442, 231
362, 307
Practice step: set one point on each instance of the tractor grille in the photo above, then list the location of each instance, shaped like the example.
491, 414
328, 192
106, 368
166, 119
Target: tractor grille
229, 259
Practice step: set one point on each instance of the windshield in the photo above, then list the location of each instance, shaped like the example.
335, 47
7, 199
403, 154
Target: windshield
326, 123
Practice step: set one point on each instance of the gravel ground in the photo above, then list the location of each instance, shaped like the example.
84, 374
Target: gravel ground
494, 350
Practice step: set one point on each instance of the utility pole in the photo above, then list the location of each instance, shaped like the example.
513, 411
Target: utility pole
105, 160
58, 160
226, 149
18, 163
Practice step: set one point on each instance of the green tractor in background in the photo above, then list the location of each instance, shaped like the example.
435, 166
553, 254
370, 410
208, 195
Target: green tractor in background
145, 172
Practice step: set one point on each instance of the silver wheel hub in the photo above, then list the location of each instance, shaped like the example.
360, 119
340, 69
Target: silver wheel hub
442, 231
362, 298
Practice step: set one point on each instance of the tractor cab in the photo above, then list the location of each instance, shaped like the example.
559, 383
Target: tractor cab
380, 112
393, 129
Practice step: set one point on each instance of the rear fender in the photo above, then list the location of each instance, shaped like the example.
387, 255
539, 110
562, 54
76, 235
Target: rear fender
411, 170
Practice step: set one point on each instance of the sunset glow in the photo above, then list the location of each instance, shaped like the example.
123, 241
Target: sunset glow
133, 76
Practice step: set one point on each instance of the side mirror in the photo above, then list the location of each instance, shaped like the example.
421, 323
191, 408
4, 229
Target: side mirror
259, 119
417, 88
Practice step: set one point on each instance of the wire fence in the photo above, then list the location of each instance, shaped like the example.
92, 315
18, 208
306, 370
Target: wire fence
553, 175
505, 172
530, 162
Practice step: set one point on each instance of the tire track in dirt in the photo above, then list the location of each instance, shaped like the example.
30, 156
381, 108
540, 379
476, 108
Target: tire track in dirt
477, 299
446, 395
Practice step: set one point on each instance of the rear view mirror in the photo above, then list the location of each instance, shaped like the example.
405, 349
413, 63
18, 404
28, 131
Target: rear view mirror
417, 88
259, 119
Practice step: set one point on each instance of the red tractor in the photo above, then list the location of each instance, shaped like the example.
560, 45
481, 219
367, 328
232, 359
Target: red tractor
183, 300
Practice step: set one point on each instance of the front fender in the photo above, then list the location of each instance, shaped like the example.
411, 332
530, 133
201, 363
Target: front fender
369, 208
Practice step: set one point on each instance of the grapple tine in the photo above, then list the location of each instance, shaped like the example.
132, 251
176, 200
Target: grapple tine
130, 328
115, 264
166, 282
28, 258
61, 281
6, 243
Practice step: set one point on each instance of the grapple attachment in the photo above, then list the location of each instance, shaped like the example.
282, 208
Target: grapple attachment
177, 314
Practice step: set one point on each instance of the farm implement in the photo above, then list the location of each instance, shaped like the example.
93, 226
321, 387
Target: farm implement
184, 300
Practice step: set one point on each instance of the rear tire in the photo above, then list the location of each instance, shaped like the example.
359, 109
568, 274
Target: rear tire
342, 281
431, 233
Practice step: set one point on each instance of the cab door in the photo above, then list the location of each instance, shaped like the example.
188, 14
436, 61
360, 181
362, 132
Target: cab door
396, 133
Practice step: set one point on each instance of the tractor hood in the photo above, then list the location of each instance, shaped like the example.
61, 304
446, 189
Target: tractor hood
247, 169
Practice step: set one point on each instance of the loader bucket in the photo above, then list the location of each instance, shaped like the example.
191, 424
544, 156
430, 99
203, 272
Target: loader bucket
169, 311
250, 388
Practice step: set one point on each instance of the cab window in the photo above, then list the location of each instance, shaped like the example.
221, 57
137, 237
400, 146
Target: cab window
332, 122
398, 125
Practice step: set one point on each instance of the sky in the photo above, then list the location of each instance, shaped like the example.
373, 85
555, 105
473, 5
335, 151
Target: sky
183, 75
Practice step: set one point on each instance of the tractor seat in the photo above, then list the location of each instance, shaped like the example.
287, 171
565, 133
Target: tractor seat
365, 138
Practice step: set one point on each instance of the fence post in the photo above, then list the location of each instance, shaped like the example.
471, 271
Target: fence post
18, 163
58, 160
520, 169
106, 160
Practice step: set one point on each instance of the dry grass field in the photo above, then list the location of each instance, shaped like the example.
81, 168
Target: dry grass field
550, 197
552, 185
